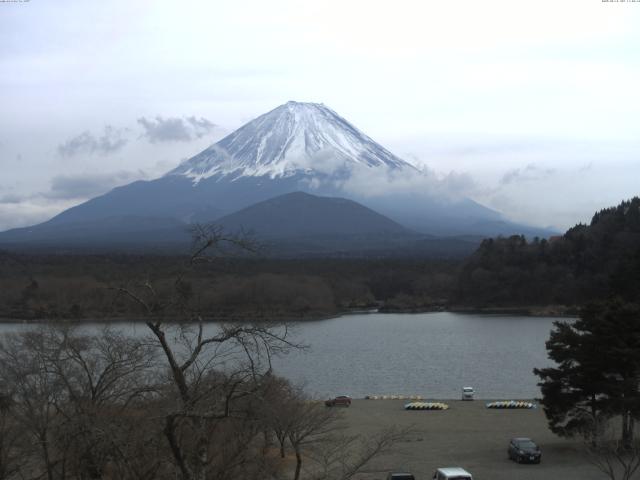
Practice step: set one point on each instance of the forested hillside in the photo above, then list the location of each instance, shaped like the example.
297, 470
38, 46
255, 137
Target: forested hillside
82, 286
588, 262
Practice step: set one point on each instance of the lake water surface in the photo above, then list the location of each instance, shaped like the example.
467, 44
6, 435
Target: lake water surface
430, 354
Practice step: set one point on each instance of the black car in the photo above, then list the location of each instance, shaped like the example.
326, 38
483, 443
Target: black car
400, 476
524, 450
340, 400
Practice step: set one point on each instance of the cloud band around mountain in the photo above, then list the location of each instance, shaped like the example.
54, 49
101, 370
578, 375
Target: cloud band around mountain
175, 129
82, 186
111, 141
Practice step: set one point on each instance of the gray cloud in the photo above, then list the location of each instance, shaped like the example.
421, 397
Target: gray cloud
12, 198
380, 182
491, 147
88, 185
531, 172
65, 191
112, 140
22, 214
458, 184
175, 129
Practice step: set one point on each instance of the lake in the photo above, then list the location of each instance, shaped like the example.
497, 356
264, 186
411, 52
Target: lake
429, 354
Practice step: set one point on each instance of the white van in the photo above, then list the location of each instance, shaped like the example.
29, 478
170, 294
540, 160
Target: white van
467, 393
452, 473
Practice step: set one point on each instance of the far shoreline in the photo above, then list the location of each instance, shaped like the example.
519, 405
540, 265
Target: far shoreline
549, 311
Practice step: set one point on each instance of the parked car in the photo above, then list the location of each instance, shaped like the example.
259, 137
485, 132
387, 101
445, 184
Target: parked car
339, 401
452, 473
400, 476
524, 450
467, 393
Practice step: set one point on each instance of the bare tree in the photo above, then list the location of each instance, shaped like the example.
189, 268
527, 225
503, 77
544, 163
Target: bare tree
137, 445
316, 434
36, 392
191, 400
618, 459
212, 370
278, 403
102, 375
341, 457
11, 438
70, 392
311, 423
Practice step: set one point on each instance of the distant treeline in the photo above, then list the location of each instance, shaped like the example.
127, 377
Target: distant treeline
85, 287
588, 262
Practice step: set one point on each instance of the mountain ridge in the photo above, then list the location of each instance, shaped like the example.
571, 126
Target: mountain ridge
288, 216
295, 224
295, 147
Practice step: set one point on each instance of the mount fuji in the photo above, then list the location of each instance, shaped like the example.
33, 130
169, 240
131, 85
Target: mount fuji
297, 147
294, 138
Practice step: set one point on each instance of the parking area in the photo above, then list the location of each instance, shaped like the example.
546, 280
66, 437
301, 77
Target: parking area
471, 436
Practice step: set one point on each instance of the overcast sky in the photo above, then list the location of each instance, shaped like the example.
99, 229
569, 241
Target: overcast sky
529, 107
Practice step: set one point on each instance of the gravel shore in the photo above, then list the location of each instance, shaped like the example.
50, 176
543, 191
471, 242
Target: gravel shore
470, 436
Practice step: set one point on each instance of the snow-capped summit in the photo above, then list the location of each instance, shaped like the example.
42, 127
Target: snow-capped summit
293, 138
253, 178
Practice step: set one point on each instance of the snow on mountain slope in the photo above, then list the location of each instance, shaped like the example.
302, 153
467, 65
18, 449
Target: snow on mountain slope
297, 147
295, 137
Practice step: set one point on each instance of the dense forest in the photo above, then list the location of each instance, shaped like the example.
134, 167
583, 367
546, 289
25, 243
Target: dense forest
81, 286
587, 262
